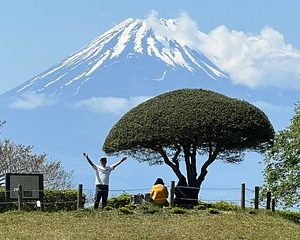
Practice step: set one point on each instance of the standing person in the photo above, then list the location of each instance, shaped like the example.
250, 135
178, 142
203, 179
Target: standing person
102, 178
159, 193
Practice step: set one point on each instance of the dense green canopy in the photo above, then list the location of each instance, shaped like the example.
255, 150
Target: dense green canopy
191, 116
282, 164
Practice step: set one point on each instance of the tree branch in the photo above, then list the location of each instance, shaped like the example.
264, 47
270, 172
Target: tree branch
175, 157
193, 161
187, 155
211, 158
174, 165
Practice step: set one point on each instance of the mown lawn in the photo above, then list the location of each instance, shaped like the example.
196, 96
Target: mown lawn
162, 225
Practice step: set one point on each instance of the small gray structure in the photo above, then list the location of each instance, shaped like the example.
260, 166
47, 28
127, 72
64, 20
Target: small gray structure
32, 186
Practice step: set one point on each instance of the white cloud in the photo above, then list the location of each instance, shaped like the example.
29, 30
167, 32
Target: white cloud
112, 105
253, 60
184, 29
31, 100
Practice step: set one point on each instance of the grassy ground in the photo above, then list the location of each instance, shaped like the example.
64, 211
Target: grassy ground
113, 224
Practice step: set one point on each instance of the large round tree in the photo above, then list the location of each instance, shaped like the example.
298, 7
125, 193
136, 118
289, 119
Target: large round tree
181, 125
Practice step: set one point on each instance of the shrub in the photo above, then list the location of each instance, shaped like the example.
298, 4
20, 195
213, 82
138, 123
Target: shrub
201, 207
224, 206
131, 207
125, 210
213, 211
151, 209
119, 201
292, 216
5, 206
144, 206
253, 212
178, 210
54, 200
108, 208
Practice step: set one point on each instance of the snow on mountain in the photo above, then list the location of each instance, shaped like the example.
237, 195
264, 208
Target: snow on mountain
131, 51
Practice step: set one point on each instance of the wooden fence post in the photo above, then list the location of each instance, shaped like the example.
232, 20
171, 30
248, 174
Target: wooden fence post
20, 197
243, 196
273, 204
172, 192
256, 198
79, 197
268, 207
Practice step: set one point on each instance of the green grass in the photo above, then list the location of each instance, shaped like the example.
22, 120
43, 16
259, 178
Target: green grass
113, 224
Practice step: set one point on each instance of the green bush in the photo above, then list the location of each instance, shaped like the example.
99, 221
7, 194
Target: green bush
151, 209
224, 206
144, 206
131, 207
252, 212
54, 200
125, 210
292, 216
201, 207
213, 211
108, 208
3, 205
119, 201
178, 210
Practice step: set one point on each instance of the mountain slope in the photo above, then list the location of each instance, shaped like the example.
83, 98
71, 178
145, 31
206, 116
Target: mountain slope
131, 53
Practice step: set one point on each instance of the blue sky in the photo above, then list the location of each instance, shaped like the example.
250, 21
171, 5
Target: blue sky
35, 35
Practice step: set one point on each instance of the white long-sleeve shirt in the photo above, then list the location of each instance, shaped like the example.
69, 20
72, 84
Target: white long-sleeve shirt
103, 173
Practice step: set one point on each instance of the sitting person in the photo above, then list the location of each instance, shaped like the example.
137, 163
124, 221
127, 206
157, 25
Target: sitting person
159, 193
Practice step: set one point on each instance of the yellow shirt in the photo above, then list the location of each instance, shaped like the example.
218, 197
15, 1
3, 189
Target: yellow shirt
159, 194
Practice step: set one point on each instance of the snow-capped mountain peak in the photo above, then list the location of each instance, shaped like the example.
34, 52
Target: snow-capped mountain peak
131, 43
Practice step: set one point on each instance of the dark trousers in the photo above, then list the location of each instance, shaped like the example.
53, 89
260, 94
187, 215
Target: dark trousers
101, 192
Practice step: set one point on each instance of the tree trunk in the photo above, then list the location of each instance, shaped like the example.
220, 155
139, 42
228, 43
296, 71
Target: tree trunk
188, 193
188, 188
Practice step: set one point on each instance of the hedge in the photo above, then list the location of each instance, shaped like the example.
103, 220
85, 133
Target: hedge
119, 201
292, 216
54, 200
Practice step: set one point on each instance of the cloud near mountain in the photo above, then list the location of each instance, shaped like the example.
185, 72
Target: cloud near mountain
110, 105
114, 105
31, 100
252, 60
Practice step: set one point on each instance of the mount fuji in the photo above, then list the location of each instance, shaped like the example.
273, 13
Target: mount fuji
131, 55
70, 108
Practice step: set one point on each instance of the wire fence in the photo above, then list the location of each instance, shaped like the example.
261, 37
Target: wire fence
235, 195
90, 194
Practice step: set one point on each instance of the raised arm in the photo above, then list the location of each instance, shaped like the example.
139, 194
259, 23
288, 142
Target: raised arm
89, 160
118, 163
